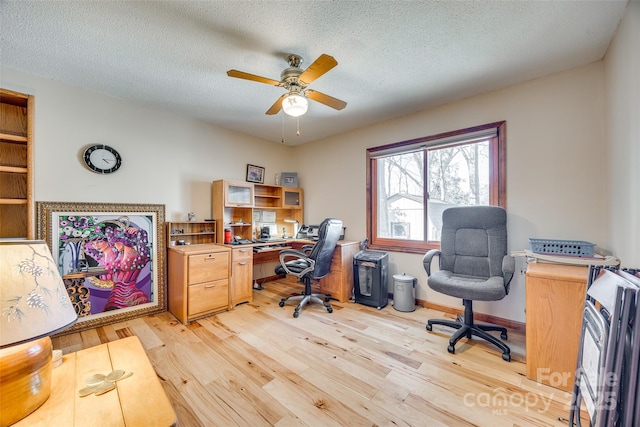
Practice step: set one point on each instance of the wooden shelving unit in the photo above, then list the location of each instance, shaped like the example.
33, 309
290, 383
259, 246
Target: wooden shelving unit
192, 232
267, 196
16, 165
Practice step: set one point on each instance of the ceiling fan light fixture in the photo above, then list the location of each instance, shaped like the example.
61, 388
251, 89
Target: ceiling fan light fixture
295, 105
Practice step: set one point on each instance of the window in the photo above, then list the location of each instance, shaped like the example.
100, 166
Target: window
410, 183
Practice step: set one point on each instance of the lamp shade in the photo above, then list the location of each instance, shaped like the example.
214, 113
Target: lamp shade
295, 105
33, 304
33, 299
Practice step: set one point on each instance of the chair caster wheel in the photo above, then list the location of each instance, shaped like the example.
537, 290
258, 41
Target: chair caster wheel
503, 335
429, 327
281, 303
451, 349
506, 357
296, 314
330, 310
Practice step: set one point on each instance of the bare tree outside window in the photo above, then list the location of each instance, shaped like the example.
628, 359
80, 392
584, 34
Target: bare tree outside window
408, 208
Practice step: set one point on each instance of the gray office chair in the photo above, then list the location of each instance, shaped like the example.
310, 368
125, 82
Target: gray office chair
474, 265
312, 263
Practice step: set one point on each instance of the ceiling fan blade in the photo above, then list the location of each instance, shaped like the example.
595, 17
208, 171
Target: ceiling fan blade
277, 106
320, 66
325, 99
247, 76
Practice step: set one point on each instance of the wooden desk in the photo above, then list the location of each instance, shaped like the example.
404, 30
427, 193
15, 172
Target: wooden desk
339, 281
555, 297
137, 401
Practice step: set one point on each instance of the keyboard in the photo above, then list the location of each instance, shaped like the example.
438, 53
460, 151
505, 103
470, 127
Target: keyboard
270, 240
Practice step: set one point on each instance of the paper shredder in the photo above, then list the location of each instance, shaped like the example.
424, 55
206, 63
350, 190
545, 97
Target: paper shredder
370, 278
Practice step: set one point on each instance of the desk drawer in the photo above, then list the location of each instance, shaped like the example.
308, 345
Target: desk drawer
207, 296
208, 267
242, 254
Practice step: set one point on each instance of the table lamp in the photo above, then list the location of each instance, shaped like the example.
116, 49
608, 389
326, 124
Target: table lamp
33, 305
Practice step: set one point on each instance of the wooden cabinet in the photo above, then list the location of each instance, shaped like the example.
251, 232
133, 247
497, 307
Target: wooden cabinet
193, 232
292, 198
555, 297
198, 280
232, 208
237, 194
241, 275
16, 165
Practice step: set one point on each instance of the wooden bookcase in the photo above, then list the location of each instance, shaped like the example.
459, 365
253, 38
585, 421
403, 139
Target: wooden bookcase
16, 165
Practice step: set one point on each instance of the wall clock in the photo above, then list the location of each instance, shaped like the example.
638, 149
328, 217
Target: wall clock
103, 159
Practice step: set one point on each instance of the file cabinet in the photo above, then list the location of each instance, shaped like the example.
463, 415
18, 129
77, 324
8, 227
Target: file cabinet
199, 278
555, 296
241, 275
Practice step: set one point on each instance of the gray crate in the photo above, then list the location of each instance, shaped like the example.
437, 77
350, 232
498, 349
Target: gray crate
562, 247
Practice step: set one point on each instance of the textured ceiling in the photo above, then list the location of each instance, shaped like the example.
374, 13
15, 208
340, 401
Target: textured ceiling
394, 57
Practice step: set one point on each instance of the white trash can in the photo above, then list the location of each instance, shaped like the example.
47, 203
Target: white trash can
404, 292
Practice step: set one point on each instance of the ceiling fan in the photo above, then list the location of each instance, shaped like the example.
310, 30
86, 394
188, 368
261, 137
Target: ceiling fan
295, 80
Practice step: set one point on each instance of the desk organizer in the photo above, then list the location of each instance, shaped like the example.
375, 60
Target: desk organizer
562, 247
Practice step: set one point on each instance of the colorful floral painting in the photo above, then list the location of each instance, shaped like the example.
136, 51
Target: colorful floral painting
108, 256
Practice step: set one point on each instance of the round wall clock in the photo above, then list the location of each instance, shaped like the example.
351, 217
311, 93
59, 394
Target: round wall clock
101, 158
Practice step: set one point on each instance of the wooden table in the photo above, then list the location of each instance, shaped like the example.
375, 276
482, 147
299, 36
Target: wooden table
137, 401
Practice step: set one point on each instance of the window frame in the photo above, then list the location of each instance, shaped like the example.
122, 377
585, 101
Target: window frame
497, 179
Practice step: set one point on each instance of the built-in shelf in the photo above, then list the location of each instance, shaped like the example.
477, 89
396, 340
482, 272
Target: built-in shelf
16, 160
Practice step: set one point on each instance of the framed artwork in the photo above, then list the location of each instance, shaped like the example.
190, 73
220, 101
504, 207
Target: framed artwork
255, 174
111, 258
289, 179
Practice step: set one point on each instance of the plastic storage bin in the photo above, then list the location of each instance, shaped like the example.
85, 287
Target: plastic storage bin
562, 247
404, 292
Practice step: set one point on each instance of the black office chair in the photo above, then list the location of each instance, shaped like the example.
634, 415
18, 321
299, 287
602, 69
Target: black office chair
474, 265
312, 263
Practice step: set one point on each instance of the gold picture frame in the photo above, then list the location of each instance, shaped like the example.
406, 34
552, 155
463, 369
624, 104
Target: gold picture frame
111, 258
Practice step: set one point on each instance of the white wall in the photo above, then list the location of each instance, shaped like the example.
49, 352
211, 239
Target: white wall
568, 176
555, 132
623, 137
167, 159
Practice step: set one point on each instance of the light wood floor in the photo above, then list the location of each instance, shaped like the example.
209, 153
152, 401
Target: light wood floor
258, 366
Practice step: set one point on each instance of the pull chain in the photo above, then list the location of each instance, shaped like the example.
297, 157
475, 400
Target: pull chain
298, 125
283, 141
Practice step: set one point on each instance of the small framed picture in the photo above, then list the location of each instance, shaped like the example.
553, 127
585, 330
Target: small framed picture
255, 174
289, 179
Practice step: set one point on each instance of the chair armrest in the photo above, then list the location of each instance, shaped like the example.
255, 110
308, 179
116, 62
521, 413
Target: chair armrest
298, 255
307, 249
508, 268
426, 260
508, 264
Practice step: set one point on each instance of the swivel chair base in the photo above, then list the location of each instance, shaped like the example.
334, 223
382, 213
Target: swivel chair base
306, 298
466, 328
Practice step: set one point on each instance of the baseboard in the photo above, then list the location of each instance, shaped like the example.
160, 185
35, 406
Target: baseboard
480, 317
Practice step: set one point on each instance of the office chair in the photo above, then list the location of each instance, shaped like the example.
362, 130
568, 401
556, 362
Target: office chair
474, 265
312, 263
